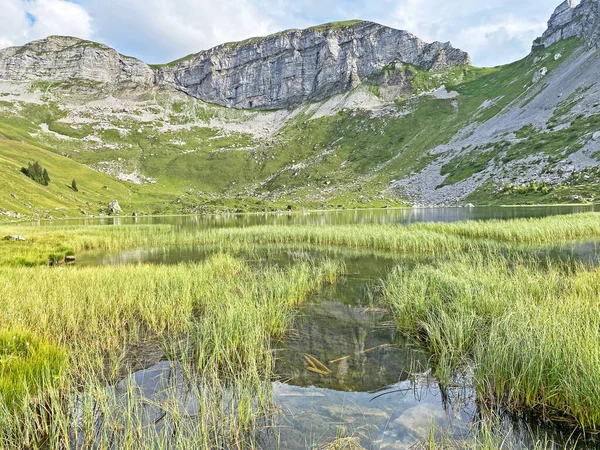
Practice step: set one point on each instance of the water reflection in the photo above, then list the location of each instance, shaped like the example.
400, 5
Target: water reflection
345, 217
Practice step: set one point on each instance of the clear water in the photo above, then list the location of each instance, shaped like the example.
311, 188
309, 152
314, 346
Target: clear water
380, 389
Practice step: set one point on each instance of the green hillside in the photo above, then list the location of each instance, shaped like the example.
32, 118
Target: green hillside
188, 156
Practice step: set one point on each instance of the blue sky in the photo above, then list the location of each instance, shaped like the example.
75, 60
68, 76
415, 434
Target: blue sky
157, 31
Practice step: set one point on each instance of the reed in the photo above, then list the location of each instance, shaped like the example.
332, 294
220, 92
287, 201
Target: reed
431, 239
528, 328
216, 318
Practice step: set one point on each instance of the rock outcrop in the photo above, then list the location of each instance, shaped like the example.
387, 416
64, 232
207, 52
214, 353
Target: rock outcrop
277, 71
67, 59
291, 67
573, 20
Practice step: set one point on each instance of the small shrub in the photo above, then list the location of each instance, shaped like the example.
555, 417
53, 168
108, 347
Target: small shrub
74, 185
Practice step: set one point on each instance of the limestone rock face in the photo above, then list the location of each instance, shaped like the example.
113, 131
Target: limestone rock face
278, 71
573, 20
64, 59
291, 67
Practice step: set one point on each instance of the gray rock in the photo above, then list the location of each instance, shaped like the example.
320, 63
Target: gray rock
114, 207
596, 136
540, 74
69, 259
277, 71
63, 59
291, 67
573, 20
14, 238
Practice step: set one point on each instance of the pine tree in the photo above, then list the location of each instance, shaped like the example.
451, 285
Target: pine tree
37, 173
45, 178
74, 185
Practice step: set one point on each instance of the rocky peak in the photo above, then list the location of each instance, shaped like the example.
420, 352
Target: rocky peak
273, 72
294, 66
573, 19
62, 58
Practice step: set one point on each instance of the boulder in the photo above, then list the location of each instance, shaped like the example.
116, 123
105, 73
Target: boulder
114, 207
540, 74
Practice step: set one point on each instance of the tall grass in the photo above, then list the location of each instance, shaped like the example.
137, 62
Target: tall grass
217, 318
431, 239
529, 330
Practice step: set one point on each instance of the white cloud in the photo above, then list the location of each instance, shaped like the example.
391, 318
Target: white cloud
503, 41
492, 31
46, 17
59, 17
160, 31
13, 22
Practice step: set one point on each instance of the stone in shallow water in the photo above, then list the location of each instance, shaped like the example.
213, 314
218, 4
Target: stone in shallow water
14, 238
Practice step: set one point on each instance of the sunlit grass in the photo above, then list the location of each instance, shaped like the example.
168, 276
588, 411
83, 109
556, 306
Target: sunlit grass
422, 238
217, 318
528, 329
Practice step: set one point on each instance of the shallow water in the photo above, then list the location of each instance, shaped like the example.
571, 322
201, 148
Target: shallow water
380, 389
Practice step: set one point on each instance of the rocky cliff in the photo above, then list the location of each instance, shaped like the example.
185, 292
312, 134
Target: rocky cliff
571, 19
59, 59
288, 68
274, 72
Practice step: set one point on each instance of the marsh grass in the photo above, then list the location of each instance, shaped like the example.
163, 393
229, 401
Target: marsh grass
423, 238
217, 318
528, 329
477, 295
28, 366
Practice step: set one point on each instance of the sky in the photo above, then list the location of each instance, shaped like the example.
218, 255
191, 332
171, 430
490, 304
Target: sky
158, 31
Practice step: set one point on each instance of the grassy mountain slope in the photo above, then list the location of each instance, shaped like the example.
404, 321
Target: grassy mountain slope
482, 135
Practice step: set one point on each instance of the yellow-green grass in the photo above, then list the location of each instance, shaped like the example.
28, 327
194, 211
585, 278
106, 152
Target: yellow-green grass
471, 306
430, 239
57, 199
28, 365
529, 329
217, 317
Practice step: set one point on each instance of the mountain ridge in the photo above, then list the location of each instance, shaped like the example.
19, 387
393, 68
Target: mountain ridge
523, 133
277, 71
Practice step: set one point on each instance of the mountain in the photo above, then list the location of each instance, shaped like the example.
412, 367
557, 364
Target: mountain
349, 114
